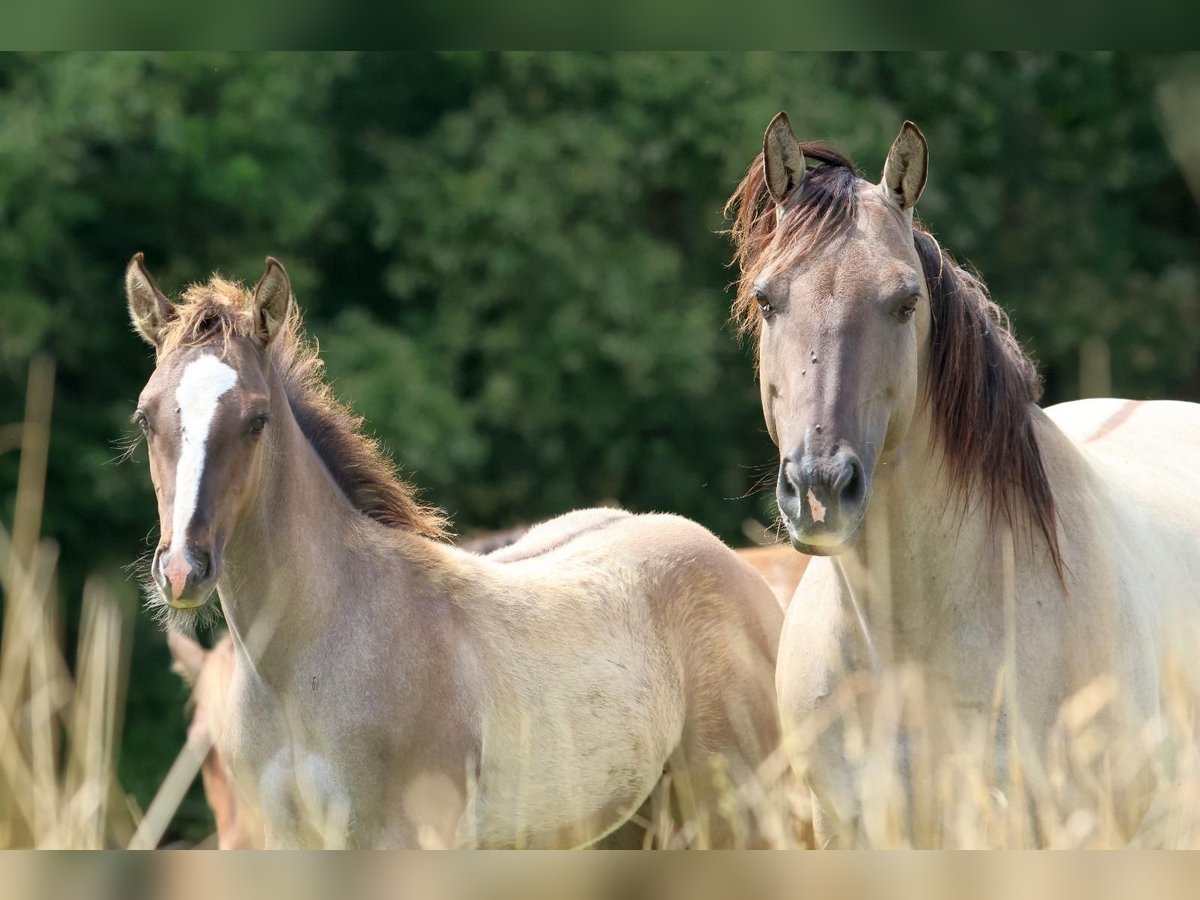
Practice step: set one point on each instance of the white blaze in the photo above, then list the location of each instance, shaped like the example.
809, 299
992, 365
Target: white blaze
202, 384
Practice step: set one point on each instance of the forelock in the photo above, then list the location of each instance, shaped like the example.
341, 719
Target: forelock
822, 209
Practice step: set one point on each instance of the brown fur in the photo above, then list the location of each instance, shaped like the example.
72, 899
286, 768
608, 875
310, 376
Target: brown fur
362, 469
981, 383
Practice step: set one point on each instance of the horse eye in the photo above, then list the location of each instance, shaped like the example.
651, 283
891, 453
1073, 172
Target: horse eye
139, 419
764, 304
905, 312
257, 424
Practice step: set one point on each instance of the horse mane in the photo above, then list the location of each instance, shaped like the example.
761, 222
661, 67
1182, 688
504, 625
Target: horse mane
361, 468
982, 386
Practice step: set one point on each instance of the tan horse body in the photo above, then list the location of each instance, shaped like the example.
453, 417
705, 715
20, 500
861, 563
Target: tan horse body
393, 690
210, 673
1013, 558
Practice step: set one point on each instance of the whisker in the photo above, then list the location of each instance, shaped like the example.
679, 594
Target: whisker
760, 482
126, 444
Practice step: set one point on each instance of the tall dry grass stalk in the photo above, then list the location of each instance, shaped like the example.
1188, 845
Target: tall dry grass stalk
58, 730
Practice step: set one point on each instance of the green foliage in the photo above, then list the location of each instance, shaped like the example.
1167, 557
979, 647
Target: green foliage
513, 263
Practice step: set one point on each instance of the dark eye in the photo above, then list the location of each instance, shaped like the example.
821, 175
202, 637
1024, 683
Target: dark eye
257, 424
139, 419
764, 303
907, 308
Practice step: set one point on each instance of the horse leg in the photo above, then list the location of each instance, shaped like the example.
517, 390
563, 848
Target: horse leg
636, 832
835, 807
716, 779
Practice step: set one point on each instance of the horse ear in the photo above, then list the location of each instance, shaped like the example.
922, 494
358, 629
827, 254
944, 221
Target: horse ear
189, 656
149, 308
272, 297
783, 161
906, 168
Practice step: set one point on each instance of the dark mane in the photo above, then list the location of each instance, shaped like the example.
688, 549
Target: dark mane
981, 384
221, 310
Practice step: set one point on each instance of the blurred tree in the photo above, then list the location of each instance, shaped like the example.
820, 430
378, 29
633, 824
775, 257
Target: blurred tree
513, 262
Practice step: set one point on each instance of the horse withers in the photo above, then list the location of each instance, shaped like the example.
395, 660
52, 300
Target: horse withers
393, 690
1034, 571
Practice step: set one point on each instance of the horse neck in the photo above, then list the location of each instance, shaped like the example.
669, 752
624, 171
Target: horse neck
289, 570
923, 552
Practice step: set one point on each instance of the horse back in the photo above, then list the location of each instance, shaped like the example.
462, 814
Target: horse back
1131, 516
1141, 457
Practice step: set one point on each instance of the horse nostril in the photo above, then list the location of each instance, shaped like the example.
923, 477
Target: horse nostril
201, 564
156, 567
789, 478
851, 485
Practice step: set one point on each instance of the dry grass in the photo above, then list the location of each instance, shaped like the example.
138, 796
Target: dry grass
1059, 796
58, 729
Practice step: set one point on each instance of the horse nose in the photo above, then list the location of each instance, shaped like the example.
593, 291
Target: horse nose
819, 489
176, 572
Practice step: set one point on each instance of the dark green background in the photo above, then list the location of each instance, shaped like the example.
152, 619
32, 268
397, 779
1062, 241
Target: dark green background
513, 263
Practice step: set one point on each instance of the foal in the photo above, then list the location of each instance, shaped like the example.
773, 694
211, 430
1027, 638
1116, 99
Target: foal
393, 690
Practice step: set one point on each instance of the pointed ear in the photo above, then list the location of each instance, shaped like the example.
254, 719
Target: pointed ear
149, 308
272, 297
783, 162
189, 656
906, 168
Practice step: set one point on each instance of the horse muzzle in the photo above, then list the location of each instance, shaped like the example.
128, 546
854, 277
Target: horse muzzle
822, 499
186, 576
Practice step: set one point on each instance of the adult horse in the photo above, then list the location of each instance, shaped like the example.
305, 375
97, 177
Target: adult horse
1014, 556
393, 690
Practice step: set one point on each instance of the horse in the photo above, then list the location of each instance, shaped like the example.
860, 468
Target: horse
393, 690
1014, 557
209, 674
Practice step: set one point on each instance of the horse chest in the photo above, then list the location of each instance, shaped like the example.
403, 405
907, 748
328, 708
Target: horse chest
306, 800
303, 792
